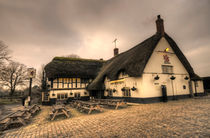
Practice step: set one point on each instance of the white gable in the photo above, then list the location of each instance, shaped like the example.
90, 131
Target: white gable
154, 65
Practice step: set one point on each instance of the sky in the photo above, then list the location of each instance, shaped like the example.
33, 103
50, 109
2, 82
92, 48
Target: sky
38, 30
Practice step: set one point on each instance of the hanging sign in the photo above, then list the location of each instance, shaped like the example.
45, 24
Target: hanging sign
31, 72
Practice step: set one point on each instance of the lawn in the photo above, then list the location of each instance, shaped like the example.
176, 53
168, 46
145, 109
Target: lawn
8, 101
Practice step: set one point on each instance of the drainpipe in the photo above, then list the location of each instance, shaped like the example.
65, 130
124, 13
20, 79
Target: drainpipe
172, 89
173, 78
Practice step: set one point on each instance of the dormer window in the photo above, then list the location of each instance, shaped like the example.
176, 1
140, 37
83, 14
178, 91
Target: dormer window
122, 75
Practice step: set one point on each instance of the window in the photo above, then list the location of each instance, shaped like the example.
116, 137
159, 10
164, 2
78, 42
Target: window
196, 84
184, 87
167, 69
76, 95
62, 96
110, 93
127, 93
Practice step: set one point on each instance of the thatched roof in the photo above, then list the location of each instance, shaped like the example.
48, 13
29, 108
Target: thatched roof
73, 67
134, 61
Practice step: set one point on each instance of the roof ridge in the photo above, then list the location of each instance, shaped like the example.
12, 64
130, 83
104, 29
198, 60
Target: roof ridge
76, 59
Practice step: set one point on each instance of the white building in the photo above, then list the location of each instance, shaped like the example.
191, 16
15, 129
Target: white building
154, 70
68, 78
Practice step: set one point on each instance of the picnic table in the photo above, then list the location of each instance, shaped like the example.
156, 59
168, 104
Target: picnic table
86, 106
59, 110
18, 118
110, 102
32, 109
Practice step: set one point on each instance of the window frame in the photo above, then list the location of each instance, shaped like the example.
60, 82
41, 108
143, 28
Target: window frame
167, 69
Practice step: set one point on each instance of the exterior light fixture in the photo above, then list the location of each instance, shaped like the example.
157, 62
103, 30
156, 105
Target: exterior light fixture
53, 94
114, 90
172, 78
186, 78
71, 93
133, 89
156, 77
166, 50
123, 89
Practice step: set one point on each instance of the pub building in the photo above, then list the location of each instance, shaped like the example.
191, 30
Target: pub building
152, 71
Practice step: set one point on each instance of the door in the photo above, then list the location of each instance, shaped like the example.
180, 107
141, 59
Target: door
164, 93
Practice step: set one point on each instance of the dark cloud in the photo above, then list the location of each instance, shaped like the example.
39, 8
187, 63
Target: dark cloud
38, 30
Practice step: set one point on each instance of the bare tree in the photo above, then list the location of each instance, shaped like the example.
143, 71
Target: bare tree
40, 77
4, 53
13, 75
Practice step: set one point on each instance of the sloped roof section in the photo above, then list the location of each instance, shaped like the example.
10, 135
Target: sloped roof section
73, 67
134, 61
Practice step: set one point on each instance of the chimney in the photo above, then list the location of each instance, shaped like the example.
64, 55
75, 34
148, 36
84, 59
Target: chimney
116, 51
160, 26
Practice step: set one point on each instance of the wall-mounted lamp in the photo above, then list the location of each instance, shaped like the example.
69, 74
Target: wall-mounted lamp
123, 89
53, 94
114, 90
186, 78
172, 78
133, 89
156, 77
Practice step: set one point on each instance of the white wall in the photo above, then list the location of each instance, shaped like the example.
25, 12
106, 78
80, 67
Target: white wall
151, 87
199, 87
81, 91
128, 82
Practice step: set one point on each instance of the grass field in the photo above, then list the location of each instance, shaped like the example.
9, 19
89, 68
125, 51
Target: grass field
8, 101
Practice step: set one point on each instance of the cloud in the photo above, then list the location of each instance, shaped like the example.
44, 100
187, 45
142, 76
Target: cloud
38, 30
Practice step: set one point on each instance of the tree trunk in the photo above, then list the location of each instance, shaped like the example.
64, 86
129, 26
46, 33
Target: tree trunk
11, 94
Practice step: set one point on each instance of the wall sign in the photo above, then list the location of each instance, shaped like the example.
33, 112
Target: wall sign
166, 59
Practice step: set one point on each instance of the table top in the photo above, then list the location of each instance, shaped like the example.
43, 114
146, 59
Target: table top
109, 100
57, 107
88, 102
17, 114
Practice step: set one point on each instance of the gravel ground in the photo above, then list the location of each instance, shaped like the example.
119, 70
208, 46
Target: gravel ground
182, 118
7, 109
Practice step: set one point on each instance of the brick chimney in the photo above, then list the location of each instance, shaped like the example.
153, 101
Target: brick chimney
116, 51
160, 25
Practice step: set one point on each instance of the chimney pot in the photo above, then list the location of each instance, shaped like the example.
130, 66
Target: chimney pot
116, 51
160, 25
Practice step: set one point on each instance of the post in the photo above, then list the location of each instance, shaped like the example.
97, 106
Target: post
196, 94
31, 74
30, 83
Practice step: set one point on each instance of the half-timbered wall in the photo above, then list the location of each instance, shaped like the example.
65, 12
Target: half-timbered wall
70, 83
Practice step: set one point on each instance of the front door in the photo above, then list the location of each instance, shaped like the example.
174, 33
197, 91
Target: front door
164, 93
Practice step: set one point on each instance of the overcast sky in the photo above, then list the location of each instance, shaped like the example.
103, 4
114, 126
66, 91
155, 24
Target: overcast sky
38, 30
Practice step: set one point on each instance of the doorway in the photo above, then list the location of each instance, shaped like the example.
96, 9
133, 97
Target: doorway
164, 93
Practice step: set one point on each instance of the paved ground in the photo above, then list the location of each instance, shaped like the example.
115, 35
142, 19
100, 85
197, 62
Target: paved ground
182, 118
